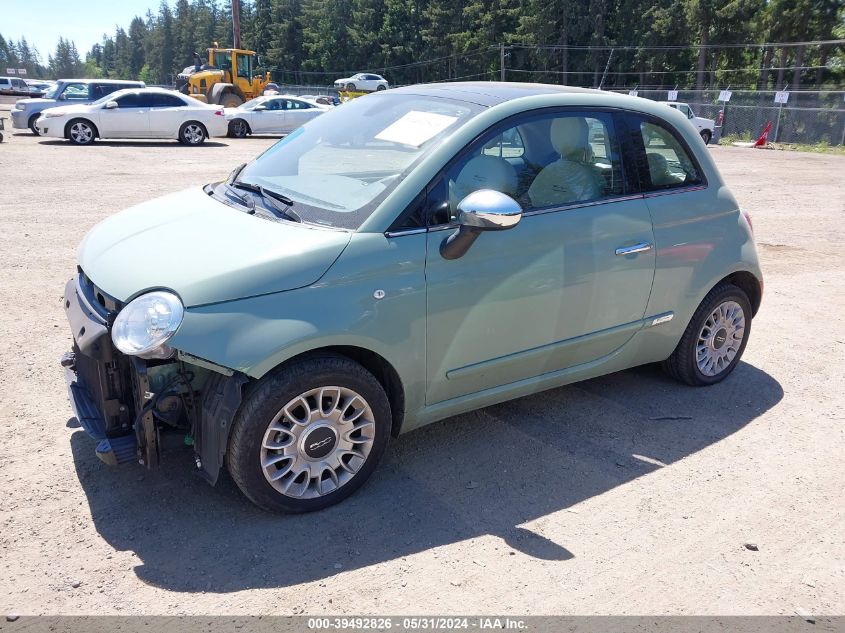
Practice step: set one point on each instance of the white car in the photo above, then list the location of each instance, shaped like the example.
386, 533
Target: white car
704, 126
272, 114
135, 113
366, 82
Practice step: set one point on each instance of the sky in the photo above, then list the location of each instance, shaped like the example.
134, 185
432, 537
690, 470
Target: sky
42, 22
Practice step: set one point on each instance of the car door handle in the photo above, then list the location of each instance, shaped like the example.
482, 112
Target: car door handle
642, 247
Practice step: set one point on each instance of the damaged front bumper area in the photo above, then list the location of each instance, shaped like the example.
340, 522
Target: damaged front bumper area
131, 406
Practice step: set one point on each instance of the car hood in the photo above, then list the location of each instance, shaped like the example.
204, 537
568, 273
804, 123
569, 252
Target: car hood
35, 101
204, 250
70, 109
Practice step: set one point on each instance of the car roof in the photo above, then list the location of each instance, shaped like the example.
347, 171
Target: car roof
490, 93
105, 81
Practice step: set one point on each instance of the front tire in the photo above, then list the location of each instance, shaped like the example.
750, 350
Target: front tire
715, 338
238, 128
309, 434
350, 87
706, 135
81, 132
192, 133
31, 124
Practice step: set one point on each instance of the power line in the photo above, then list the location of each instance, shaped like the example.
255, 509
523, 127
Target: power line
678, 47
664, 72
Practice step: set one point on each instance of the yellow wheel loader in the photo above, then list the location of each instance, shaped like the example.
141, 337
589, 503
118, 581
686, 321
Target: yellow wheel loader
228, 78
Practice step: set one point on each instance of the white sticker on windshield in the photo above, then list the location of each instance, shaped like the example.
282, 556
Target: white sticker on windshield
415, 128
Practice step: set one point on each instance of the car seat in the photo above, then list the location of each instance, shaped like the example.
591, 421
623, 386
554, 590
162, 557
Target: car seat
482, 172
571, 178
658, 169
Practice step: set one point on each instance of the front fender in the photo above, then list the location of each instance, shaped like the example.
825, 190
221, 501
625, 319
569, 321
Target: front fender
255, 335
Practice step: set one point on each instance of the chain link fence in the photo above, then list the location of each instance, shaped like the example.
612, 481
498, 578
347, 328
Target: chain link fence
816, 117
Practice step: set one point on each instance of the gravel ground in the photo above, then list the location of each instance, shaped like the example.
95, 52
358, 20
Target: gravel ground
629, 494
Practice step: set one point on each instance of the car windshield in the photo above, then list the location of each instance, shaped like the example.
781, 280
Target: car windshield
249, 105
53, 92
341, 165
110, 97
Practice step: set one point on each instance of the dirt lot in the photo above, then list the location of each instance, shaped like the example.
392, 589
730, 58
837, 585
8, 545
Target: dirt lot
628, 494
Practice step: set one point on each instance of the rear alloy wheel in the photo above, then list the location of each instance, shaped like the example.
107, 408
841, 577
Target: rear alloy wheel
309, 434
31, 124
192, 133
381, 87
238, 128
81, 132
706, 135
715, 338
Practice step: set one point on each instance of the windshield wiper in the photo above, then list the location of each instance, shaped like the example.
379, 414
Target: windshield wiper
273, 197
249, 203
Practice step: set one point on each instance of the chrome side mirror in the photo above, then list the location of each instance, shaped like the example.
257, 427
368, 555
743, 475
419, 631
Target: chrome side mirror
482, 210
110, 105
260, 108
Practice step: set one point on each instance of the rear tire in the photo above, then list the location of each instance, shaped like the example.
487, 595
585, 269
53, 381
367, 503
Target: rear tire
328, 405
231, 100
80, 132
714, 340
31, 124
706, 135
381, 87
238, 128
192, 133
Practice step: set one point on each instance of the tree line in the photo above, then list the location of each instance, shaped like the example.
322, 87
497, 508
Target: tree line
613, 43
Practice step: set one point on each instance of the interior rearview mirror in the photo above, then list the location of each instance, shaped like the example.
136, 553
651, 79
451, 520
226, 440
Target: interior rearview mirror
111, 105
482, 210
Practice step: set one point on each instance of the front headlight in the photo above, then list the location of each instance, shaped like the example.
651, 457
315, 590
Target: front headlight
50, 115
145, 324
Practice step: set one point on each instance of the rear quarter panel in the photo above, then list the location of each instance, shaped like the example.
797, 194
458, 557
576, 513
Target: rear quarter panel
701, 237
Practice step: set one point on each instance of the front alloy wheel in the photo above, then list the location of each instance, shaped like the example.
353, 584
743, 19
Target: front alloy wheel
318, 442
309, 434
81, 133
238, 128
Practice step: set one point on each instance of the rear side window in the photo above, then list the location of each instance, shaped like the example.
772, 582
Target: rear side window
668, 164
167, 101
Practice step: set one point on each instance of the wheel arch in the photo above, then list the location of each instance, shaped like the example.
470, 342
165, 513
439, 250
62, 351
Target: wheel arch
188, 122
377, 365
749, 284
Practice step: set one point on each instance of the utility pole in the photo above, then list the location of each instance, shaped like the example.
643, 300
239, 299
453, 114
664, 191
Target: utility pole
501, 62
606, 66
236, 23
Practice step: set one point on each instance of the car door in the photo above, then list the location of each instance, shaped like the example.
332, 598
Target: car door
568, 285
130, 119
297, 113
271, 120
167, 114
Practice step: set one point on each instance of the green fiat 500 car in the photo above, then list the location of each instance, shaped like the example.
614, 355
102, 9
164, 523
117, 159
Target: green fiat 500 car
409, 256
